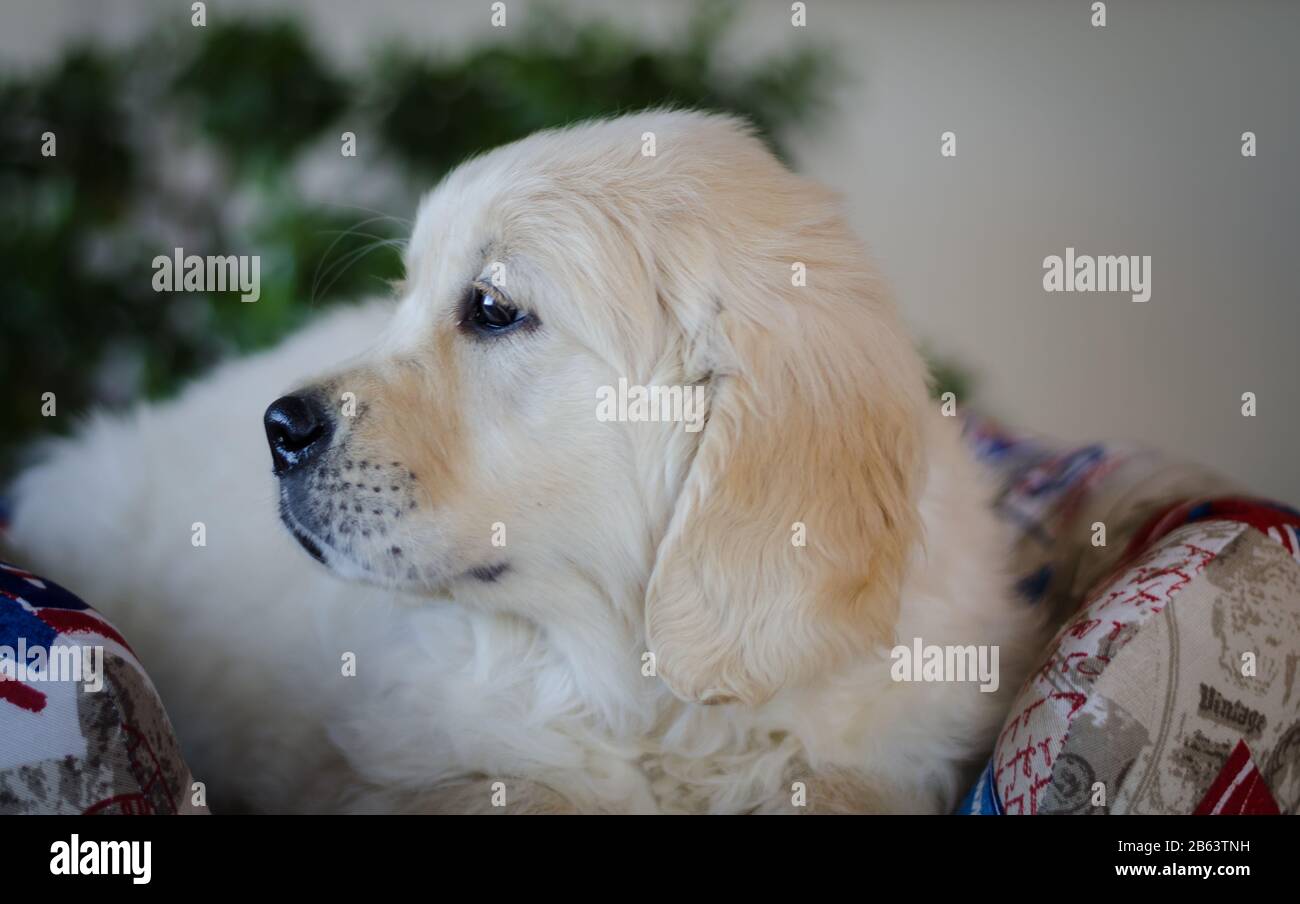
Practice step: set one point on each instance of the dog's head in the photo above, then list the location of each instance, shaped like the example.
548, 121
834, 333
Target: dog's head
664, 257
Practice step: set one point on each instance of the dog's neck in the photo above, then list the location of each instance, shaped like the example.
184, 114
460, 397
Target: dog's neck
593, 626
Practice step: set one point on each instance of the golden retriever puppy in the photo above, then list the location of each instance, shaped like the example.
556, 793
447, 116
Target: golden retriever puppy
633, 501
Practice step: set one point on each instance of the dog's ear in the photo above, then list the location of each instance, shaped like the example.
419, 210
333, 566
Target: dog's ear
795, 522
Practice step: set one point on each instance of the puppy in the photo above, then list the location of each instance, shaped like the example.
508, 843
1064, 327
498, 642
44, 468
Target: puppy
519, 605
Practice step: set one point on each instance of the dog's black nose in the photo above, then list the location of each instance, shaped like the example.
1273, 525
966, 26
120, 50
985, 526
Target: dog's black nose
298, 429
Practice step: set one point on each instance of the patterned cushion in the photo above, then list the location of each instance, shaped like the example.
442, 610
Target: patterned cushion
1172, 688
81, 727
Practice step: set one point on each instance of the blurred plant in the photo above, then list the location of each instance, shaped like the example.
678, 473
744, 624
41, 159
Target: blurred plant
946, 376
243, 104
259, 91
507, 91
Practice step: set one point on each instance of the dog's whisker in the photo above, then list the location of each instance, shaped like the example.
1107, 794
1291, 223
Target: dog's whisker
379, 214
353, 230
378, 241
342, 234
341, 266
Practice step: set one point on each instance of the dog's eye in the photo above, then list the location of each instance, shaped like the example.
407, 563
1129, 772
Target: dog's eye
488, 310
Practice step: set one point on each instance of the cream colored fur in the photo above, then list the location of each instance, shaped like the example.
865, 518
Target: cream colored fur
621, 539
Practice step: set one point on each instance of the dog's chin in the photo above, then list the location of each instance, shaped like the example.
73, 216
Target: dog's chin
313, 548
343, 564
424, 579
339, 564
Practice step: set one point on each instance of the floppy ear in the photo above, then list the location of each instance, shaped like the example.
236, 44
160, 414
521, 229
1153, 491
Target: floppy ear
791, 534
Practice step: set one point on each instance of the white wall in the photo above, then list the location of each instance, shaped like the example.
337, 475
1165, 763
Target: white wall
1122, 140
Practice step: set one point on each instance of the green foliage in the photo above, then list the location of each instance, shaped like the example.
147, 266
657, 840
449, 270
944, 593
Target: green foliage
434, 113
250, 100
258, 90
945, 376
94, 170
